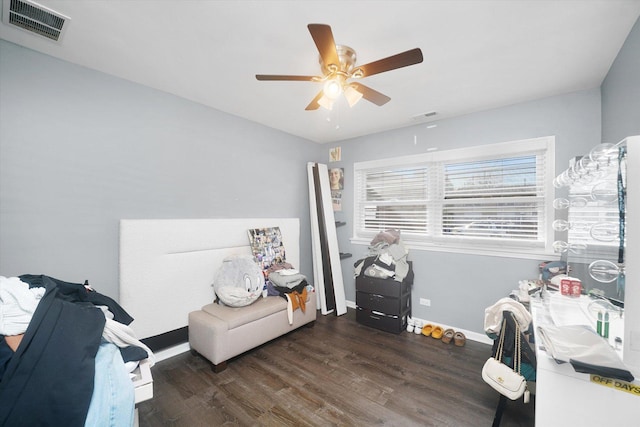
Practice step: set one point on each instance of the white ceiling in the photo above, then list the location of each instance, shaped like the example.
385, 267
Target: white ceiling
477, 54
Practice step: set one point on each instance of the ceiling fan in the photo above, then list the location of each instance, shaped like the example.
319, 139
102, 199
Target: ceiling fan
337, 63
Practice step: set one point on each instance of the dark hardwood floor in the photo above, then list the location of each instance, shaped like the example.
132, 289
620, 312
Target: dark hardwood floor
336, 373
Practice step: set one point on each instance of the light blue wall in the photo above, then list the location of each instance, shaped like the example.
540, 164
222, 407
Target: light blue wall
621, 92
461, 286
79, 150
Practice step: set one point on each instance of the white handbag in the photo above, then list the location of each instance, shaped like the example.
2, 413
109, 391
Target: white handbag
505, 380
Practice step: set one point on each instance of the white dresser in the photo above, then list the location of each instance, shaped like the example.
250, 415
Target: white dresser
567, 398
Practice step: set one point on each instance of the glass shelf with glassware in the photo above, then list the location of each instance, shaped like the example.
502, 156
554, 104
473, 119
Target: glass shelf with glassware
592, 237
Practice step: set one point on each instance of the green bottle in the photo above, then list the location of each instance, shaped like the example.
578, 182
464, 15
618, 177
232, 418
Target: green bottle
599, 324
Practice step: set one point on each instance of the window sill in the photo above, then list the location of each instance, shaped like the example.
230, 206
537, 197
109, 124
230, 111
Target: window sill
502, 252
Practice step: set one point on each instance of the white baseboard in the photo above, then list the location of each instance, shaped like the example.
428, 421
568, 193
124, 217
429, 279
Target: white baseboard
172, 351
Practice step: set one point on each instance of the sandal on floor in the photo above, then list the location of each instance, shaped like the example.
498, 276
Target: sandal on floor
459, 339
427, 329
448, 336
437, 332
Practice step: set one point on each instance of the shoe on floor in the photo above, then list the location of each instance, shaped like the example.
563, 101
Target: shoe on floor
447, 336
410, 325
437, 332
427, 329
418, 327
459, 339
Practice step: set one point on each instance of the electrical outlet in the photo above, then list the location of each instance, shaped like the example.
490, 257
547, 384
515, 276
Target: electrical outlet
424, 301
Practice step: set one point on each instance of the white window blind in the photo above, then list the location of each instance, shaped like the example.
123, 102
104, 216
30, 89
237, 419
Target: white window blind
490, 194
498, 198
394, 198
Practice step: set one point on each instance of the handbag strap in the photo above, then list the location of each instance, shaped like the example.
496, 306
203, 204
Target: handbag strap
517, 355
501, 342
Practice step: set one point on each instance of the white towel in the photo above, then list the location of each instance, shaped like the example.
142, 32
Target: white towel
122, 335
493, 315
17, 305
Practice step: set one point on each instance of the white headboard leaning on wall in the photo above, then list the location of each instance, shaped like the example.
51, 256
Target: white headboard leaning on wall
167, 266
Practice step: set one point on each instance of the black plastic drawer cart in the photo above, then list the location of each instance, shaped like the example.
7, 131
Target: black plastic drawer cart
383, 304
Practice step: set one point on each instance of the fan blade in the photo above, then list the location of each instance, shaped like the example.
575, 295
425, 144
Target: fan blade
370, 94
313, 105
264, 77
323, 37
404, 59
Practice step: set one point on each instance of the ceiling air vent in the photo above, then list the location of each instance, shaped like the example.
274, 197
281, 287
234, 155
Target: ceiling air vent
424, 115
34, 18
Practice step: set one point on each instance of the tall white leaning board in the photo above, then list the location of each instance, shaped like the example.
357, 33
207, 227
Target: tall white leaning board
327, 266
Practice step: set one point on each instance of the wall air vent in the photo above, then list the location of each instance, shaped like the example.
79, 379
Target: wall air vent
35, 18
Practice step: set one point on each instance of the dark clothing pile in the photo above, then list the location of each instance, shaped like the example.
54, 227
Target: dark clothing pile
49, 379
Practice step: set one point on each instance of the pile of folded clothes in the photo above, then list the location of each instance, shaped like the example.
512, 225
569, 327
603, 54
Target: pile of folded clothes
387, 258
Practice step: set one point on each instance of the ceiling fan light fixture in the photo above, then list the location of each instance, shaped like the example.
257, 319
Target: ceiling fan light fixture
326, 102
338, 66
352, 95
332, 89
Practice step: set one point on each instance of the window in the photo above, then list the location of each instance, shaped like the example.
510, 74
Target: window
496, 196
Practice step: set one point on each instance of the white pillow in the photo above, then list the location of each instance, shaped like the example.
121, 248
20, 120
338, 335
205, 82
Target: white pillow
236, 297
239, 281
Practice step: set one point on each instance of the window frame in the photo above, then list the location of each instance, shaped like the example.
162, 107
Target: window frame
436, 241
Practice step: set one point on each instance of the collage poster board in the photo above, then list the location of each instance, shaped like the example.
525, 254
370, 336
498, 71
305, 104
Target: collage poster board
267, 247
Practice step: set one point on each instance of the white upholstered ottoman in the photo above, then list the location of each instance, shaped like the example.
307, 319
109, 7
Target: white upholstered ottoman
219, 332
